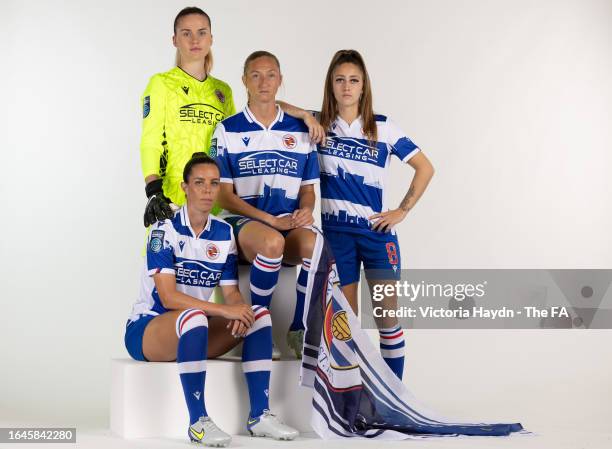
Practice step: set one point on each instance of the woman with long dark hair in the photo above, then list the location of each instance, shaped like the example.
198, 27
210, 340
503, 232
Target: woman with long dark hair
354, 163
174, 320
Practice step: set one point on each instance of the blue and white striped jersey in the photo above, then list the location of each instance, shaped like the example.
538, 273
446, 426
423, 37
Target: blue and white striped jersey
354, 173
266, 165
199, 262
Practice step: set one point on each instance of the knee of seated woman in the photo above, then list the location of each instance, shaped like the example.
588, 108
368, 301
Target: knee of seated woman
273, 244
303, 239
307, 244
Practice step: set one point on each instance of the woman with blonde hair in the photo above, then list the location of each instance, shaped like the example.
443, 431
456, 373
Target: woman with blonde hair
180, 110
269, 170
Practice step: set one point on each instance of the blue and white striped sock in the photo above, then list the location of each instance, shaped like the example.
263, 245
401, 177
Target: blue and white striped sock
264, 277
191, 354
257, 360
392, 348
302, 279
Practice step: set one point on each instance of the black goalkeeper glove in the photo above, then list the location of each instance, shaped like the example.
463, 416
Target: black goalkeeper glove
158, 207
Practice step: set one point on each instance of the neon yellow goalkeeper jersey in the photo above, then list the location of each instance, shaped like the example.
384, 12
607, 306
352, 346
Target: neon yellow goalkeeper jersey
179, 117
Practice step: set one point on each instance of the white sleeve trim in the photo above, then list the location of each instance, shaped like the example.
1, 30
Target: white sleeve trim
229, 282
227, 180
412, 153
163, 270
307, 182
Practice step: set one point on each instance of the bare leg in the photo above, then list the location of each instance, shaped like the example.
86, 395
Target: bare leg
387, 303
160, 342
220, 338
350, 292
257, 238
299, 245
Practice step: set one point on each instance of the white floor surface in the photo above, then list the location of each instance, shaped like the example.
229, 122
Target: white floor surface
548, 438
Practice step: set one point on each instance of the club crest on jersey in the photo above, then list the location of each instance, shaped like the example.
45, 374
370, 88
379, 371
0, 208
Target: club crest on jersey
246, 141
212, 251
220, 96
157, 240
186, 90
289, 141
146, 106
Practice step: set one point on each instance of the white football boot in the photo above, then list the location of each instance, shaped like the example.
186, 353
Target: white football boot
268, 425
206, 432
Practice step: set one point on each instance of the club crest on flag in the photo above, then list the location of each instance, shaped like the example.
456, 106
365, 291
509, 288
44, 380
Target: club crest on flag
340, 326
355, 392
337, 338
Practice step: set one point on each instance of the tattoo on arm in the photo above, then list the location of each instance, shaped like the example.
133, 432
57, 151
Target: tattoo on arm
406, 200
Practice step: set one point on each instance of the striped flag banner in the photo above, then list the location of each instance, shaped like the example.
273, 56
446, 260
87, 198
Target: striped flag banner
355, 393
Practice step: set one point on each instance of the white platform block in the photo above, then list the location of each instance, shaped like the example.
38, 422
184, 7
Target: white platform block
282, 306
147, 399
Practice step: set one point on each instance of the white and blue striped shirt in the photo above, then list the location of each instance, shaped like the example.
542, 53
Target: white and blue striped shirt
199, 262
266, 165
354, 172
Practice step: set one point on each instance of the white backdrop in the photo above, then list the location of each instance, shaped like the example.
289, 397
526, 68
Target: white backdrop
510, 100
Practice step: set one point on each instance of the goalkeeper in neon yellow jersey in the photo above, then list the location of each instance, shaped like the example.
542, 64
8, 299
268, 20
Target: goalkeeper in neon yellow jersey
181, 108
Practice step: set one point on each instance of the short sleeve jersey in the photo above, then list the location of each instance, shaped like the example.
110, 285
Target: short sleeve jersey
198, 262
354, 172
180, 114
267, 166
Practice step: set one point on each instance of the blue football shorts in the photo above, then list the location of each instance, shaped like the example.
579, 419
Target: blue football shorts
237, 222
134, 331
379, 252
